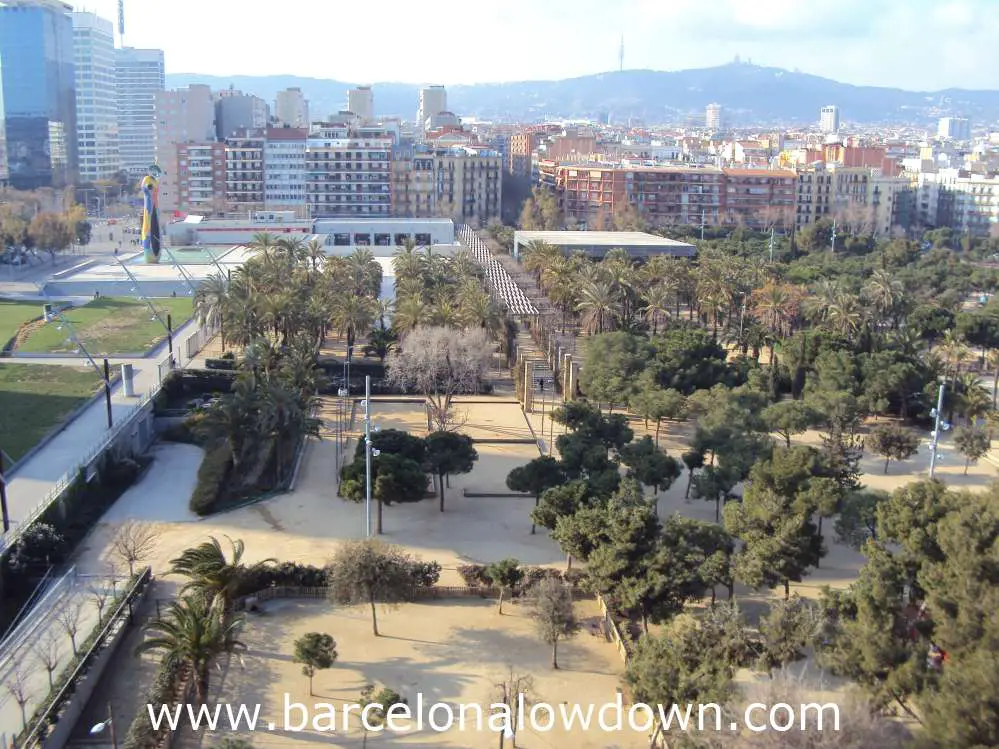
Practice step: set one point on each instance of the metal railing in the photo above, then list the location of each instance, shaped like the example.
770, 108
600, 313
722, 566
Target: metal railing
67, 479
9, 538
115, 620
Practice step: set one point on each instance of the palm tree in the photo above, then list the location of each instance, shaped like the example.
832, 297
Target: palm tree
408, 262
210, 299
444, 314
365, 272
974, 399
210, 575
658, 304
620, 268
292, 248
285, 417
884, 292
953, 351
822, 299
315, 252
195, 630
599, 307
537, 256
476, 308
262, 242
993, 362
352, 316
232, 419
410, 312
845, 315
463, 266
381, 341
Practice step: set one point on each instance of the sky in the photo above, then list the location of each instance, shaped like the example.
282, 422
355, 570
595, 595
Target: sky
912, 44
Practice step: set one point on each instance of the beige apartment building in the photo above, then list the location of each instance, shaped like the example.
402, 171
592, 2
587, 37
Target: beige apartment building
348, 171
859, 198
463, 183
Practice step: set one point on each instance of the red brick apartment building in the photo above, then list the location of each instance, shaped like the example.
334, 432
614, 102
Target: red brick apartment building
673, 194
757, 198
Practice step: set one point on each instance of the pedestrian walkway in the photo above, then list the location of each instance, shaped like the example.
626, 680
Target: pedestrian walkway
33, 480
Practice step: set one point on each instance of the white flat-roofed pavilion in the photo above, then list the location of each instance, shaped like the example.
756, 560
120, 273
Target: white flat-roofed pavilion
596, 244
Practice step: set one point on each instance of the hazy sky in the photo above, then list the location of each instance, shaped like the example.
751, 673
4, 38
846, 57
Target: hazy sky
913, 44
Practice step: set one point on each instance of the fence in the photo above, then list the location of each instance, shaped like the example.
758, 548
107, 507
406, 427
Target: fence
121, 427
419, 594
68, 703
611, 628
321, 593
196, 342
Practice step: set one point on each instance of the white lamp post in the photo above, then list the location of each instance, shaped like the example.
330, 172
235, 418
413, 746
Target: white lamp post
98, 728
934, 445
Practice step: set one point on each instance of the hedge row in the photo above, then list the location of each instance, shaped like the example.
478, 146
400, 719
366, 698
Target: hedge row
54, 536
212, 477
163, 691
474, 575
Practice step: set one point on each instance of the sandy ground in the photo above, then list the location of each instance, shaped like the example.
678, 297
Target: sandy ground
307, 524
453, 652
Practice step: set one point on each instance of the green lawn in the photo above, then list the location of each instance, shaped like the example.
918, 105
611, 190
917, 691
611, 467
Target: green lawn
13, 314
113, 325
35, 398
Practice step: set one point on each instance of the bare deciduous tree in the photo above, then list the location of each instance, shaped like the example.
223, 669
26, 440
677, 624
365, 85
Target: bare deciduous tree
846, 724
133, 542
69, 617
507, 691
48, 652
441, 363
17, 687
99, 594
554, 614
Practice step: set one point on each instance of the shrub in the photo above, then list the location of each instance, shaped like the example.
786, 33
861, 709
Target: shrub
426, 574
534, 575
39, 546
212, 476
162, 692
474, 575
188, 432
574, 577
220, 364
285, 573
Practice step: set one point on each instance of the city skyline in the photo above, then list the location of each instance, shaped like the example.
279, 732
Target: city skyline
837, 39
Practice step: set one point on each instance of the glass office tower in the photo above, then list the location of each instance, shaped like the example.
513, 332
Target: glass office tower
37, 90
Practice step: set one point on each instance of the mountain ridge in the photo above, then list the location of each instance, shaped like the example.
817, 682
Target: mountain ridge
749, 94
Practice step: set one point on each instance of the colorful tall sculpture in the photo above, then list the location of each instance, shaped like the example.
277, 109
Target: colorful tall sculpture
150, 214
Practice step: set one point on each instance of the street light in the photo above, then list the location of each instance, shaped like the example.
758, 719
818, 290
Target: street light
98, 728
104, 374
367, 455
934, 445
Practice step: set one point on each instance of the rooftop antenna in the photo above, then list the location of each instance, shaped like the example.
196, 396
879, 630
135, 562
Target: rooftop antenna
620, 55
121, 22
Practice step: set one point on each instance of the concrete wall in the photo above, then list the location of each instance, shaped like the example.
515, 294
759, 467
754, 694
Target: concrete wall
84, 688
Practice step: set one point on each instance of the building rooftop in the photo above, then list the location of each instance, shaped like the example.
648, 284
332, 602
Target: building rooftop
590, 238
598, 243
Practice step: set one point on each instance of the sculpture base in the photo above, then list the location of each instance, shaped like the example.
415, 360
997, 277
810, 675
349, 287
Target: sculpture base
151, 258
